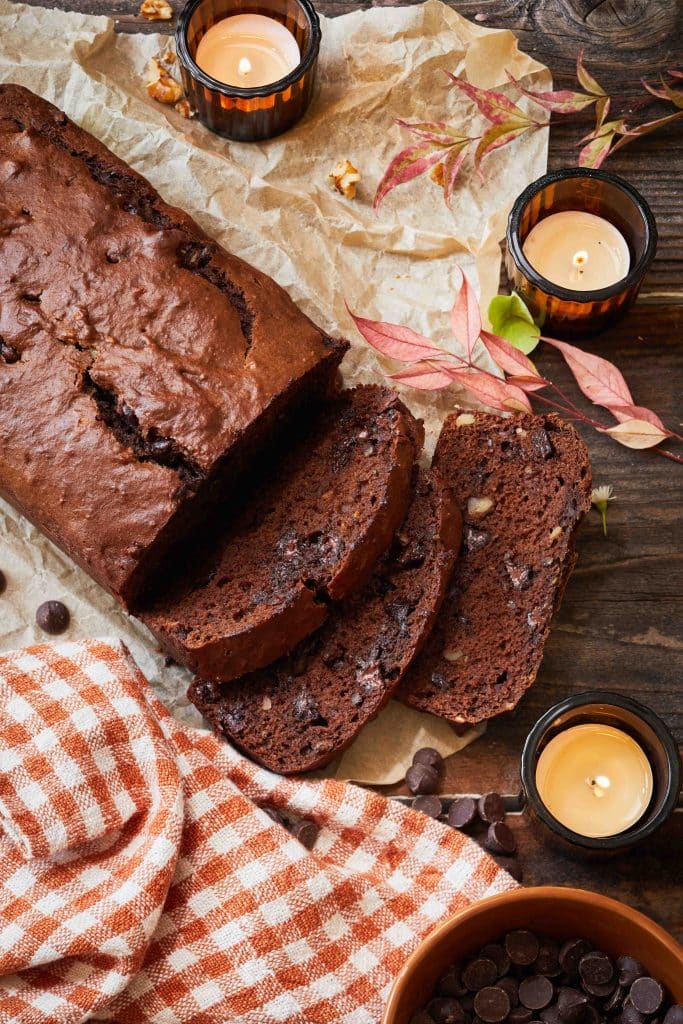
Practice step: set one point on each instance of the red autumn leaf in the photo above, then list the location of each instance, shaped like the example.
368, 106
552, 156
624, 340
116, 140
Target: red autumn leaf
408, 164
451, 169
636, 434
674, 74
496, 136
491, 390
495, 106
636, 412
599, 379
586, 80
562, 101
465, 317
596, 152
434, 131
395, 341
423, 376
665, 93
513, 362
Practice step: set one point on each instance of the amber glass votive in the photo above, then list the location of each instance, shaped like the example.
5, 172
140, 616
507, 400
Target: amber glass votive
562, 310
638, 722
263, 111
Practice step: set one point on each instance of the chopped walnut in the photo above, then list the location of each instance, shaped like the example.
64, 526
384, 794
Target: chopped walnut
160, 85
168, 57
436, 174
183, 107
344, 177
156, 10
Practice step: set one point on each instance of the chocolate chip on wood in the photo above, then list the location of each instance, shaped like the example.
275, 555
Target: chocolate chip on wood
491, 808
421, 779
462, 813
428, 804
501, 839
53, 617
429, 756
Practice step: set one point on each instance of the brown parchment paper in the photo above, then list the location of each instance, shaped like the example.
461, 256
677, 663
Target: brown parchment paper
270, 203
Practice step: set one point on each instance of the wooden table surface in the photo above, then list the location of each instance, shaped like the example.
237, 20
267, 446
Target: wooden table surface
620, 624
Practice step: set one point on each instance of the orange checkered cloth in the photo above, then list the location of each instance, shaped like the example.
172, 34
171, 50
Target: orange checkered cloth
141, 882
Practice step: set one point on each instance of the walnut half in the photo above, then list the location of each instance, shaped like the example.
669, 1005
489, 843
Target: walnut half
344, 177
161, 86
156, 10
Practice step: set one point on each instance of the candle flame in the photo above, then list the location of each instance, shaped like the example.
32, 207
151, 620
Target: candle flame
244, 66
599, 785
580, 259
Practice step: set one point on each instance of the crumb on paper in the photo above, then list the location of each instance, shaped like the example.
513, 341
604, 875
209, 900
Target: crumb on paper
344, 177
156, 10
168, 57
183, 107
161, 86
436, 174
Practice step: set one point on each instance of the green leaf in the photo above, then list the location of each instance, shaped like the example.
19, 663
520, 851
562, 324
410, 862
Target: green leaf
511, 319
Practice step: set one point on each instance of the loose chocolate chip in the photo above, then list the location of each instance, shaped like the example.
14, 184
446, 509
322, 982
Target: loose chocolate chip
571, 1005
495, 952
596, 968
647, 995
629, 969
519, 1015
674, 1015
446, 1011
479, 973
522, 947
571, 953
491, 808
9, 353
428, 756
306, 832
53, 617
547, 961
491, 1004
500, 839
429, 805
462, 813
3, 582
421, 779
511, 986
450, 983
536, 992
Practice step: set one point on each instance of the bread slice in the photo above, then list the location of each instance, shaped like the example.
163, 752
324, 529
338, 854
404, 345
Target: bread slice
523, 485
302, 711
310, 533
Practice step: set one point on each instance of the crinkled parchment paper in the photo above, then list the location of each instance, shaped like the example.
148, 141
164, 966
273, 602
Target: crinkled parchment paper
271, 204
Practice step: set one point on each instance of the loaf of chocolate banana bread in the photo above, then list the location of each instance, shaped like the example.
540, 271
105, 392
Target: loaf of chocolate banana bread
141, 366
310, 532
523, 485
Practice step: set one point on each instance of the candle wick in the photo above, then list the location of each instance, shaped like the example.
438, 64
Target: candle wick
244, 66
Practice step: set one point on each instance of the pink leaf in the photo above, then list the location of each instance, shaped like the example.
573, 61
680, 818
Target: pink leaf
395, 341
636, 412
597, 151
636, 434
563, 101
451, 169
644, 129
495, 106
408, 164
496, 136
601, 111
675, 74
512, 361
465, 317
528, 384
666, 93
586, 80
434, 131
492, 390
599, 379
423, 376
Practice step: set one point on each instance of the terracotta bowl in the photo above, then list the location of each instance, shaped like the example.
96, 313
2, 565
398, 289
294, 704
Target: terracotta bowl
562, 913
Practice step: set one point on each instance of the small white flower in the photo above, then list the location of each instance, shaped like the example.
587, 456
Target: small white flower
599, 497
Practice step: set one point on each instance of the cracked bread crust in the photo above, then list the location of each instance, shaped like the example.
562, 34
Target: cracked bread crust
141, 365
523, 485
305, 709
308, 534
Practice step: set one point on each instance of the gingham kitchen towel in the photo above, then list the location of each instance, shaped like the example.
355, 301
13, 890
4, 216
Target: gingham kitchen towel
141, 882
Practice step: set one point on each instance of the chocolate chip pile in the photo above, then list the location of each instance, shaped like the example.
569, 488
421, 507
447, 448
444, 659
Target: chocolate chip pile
527, 979
304, 830
465, 813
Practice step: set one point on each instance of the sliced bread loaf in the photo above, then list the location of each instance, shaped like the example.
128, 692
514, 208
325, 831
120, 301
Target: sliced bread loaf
306, 708
310, 533
523, 485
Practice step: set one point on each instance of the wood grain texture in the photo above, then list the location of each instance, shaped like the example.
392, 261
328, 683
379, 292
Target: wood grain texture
620, 624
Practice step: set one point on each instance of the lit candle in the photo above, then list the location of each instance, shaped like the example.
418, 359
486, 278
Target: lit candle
248, 50
595, 779
578, 250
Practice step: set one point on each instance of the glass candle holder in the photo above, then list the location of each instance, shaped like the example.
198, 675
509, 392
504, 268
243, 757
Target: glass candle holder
629, 717
563, 310
249, 114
